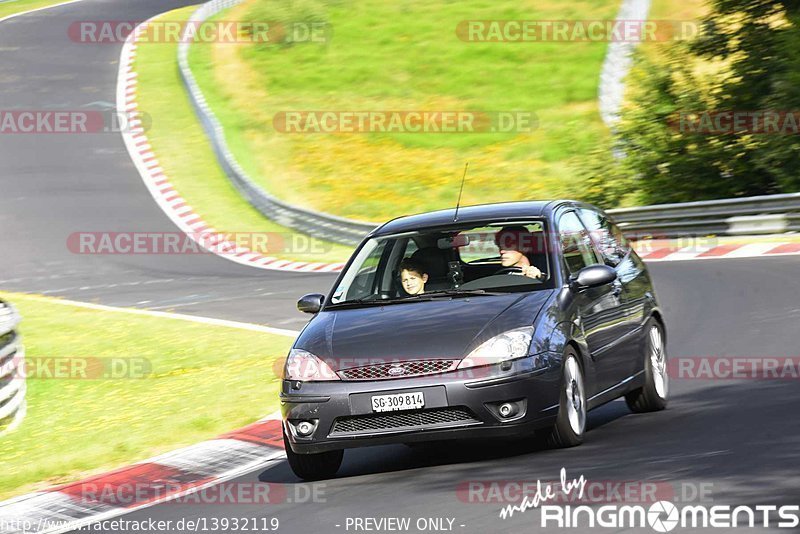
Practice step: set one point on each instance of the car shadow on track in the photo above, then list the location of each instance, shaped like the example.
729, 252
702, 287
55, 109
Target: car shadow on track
389, 458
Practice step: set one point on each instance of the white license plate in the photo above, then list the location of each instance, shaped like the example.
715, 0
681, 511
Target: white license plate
399, 401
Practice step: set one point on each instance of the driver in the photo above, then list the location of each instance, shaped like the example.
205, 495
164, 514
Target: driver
515, 242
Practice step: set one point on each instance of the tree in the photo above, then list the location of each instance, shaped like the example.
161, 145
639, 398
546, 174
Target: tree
746, 58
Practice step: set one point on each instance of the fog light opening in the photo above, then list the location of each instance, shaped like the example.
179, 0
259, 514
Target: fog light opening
508, 409
304, 428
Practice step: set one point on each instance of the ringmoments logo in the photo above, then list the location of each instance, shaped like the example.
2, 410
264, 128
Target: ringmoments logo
661, 516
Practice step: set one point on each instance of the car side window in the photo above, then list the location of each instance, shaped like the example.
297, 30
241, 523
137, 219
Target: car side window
608, 238
576, 246
411, 248
362, 282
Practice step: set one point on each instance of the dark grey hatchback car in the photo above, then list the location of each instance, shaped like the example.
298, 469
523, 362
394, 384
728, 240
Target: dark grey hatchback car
521, 317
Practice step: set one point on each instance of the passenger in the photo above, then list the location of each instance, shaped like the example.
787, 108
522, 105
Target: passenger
413, 276
515, 243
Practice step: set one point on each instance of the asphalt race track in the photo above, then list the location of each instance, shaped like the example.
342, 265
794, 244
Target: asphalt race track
741, 437
57, 184
739, 441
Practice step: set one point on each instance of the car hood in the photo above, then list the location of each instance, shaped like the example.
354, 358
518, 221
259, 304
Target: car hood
441, 328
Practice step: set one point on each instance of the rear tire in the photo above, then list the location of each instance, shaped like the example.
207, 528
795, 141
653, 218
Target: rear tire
571, 422
652, 397
313, 466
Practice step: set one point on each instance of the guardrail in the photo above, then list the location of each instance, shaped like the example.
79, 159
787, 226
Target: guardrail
12, 371
740, 216
768, 214
321, 225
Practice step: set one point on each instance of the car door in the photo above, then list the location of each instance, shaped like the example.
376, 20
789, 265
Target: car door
600, 312
615, 251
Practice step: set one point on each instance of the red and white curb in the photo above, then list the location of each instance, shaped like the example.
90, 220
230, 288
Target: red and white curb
161, 479
651, 252
165, 195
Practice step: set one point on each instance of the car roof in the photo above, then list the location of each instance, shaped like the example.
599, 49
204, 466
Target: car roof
466, 214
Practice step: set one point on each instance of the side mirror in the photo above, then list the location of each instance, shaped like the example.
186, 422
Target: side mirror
592, 276
310, 303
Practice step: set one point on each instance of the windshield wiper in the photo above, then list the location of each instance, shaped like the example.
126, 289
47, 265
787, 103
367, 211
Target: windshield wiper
454, 293
428, 295
367, 301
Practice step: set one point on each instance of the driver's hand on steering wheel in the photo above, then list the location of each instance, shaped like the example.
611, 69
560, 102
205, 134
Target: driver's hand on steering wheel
532, 272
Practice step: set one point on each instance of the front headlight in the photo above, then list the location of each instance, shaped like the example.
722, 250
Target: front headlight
509, 345
304, 366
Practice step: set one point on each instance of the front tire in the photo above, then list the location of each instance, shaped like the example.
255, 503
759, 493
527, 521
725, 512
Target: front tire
313, 466
571, 422
652, 397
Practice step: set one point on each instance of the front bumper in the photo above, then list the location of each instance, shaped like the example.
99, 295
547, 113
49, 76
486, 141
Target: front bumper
458, 405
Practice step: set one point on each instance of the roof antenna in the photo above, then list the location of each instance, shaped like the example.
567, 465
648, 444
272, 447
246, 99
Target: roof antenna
458, 204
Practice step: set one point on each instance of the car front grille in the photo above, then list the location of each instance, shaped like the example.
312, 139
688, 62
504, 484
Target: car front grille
376, 423
409, 369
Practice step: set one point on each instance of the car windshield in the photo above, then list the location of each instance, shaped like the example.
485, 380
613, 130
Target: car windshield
477, 259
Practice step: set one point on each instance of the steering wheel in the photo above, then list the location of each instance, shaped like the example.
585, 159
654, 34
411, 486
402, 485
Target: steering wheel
509, 270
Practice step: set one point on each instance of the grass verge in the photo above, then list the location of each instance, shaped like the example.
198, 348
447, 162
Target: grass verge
204, 380
407, 56
19, 6
185, 154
